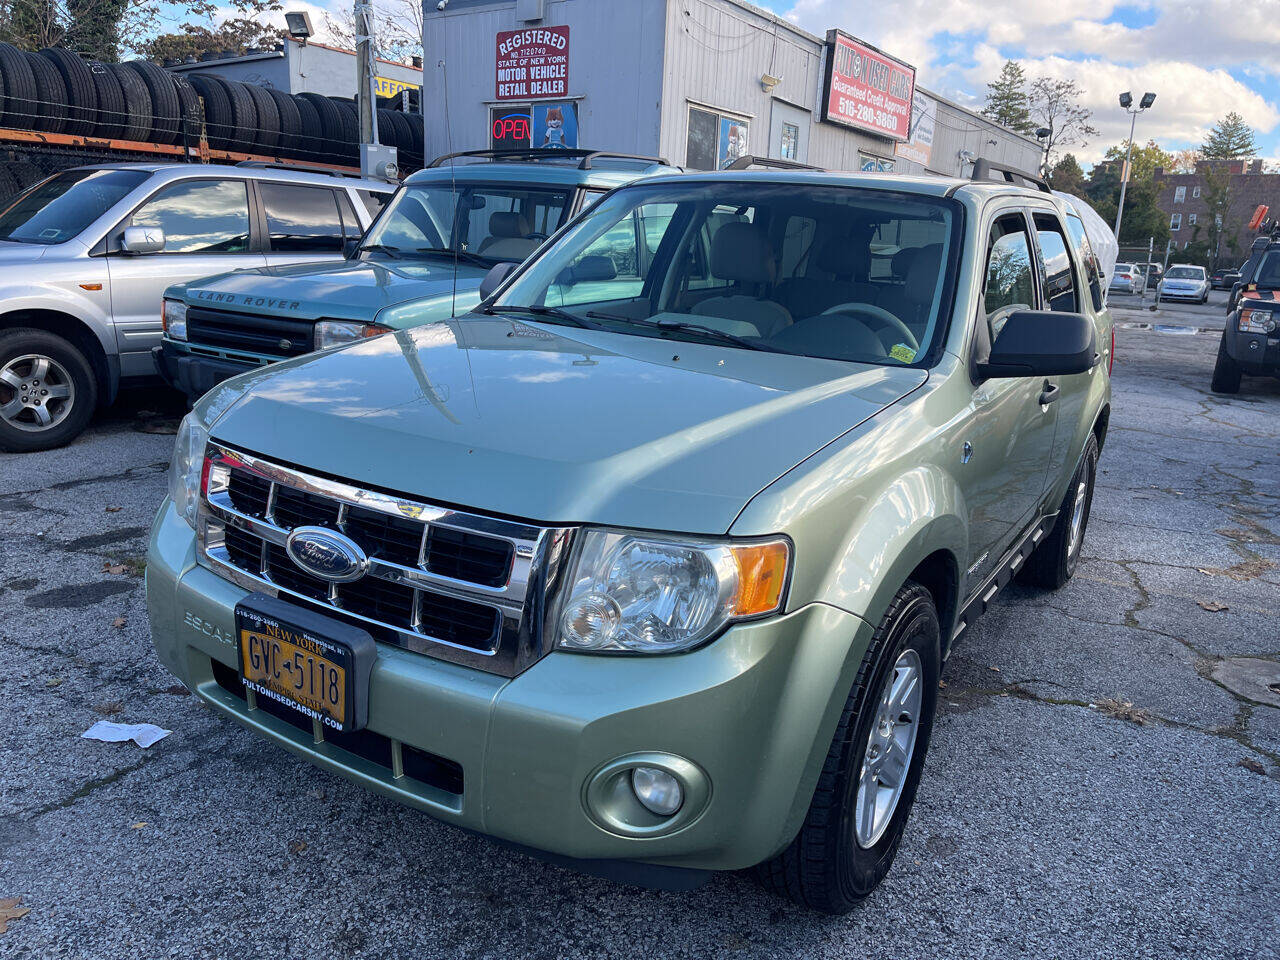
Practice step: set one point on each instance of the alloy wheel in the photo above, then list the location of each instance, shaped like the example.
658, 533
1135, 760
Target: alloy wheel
36, 393
890, 747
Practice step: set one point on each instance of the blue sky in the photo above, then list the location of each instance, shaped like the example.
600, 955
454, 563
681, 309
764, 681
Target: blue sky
1202, 58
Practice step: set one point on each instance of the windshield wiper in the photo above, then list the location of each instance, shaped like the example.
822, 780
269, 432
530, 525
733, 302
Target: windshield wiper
466, 255
392, 252
556, 312
714, 333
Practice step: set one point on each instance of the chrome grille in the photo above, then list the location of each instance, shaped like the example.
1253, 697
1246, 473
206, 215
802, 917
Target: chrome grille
453, 585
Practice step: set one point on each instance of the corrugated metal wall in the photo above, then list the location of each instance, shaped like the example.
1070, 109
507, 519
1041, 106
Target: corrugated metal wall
615, 67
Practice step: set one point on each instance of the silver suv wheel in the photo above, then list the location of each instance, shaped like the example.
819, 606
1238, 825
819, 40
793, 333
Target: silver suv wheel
890, 747
36, 393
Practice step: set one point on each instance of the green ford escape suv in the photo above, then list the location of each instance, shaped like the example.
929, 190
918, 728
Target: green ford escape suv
650, 563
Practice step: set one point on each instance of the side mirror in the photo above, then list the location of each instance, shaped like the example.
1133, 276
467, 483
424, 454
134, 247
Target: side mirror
1041, 343
349, 247
493, 279
142, 240
594, 268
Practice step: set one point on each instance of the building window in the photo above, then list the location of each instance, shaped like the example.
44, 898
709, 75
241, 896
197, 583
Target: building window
715, 140
1179, 194
1175, 222
871, 164
790, 141
1191, 219
1195, 193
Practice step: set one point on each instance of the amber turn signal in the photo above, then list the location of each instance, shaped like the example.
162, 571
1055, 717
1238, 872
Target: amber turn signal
762, 576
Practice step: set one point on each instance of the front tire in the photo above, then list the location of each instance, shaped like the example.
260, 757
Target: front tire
869, 779
47, 390
1226, 372
1054, 562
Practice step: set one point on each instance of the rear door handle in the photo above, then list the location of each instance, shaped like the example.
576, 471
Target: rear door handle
1049, 393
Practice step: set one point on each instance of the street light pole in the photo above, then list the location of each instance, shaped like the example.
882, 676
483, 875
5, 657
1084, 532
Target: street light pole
1126, 101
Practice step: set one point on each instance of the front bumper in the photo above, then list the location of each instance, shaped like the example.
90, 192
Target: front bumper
1257, 353
192, 373
1191, 296
754, 711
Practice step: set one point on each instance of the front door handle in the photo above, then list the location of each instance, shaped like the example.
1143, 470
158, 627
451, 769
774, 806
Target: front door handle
1049, 393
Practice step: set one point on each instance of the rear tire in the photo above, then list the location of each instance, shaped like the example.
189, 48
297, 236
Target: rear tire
24, 354
1054, 562
1226, 372
838, 859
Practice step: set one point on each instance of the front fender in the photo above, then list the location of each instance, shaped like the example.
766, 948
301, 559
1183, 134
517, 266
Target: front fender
94, 314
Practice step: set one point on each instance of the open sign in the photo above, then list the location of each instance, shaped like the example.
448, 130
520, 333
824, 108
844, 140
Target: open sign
509, 128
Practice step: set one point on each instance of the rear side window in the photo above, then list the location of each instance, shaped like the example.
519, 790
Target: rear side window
1061, 290
301, 219
1084, 251
373, 200
1010, 284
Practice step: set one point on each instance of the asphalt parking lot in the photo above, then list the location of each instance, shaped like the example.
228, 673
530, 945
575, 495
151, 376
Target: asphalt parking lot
1095, 787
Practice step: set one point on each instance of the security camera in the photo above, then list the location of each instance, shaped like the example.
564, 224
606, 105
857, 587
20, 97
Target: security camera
441, 5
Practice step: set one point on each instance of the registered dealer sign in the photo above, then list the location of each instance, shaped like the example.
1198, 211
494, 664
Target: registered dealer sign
867, 89
533, 64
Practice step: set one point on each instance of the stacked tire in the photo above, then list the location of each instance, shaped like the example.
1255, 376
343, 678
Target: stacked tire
57, 91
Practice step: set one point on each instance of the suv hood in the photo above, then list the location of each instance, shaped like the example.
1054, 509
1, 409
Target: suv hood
343, 290
552, 424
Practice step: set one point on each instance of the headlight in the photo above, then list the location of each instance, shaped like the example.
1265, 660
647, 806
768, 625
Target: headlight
1253, 320
330, 333
636, 593
174, 319
186, 467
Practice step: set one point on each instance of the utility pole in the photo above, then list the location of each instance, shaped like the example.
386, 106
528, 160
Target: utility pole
1126, 101
375, 159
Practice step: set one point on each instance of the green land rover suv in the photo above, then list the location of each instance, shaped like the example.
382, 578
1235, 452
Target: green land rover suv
650, 563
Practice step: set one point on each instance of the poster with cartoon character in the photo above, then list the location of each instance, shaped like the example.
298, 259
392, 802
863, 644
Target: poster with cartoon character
555, 125
733, 140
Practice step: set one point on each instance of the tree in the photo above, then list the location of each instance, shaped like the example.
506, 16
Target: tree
1218, 197
1144, 159
1055, 106
1184, 161
1230, 139
248, 28
98, 29
1143, 218
397, 28
1007, 101
1067, 176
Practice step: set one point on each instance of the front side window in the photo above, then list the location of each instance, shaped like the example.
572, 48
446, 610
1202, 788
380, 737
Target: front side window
1010, 284
1061, 292
199, 216
761, 266
62, 206
479, 222
301, 219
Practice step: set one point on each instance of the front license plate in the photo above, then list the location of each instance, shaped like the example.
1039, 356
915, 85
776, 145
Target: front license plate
306, 661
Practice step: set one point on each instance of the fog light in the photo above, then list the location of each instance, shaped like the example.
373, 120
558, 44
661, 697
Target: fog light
658, 790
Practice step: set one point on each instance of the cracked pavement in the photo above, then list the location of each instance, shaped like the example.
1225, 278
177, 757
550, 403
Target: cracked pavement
1092, 789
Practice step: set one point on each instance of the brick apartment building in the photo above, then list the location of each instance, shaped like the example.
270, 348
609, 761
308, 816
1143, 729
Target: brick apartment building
1182, 198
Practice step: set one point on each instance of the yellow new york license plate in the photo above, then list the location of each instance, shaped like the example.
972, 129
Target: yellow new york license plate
297, 669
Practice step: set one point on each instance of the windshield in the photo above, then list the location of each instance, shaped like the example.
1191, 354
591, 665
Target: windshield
488, 223
837, 272
1185, 273
59, 208
1269, 270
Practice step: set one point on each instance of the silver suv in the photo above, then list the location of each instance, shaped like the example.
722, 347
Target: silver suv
86, 255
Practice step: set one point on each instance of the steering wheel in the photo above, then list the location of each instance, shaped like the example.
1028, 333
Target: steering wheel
888, 320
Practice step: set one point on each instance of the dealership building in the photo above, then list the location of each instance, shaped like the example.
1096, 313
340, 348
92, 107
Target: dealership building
699, 82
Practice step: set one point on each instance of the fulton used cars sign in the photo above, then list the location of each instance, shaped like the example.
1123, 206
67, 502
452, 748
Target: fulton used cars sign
867, 89
532, 64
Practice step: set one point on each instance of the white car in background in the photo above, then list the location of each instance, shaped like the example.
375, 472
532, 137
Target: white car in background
1126, 279
1184, 281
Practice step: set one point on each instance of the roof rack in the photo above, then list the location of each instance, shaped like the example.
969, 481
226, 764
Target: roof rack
746, 163
549, 153
299, 168
984, 169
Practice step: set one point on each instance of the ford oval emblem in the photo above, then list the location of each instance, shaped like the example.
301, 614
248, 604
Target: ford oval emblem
327, 554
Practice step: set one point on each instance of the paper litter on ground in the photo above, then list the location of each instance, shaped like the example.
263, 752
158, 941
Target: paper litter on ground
143, 734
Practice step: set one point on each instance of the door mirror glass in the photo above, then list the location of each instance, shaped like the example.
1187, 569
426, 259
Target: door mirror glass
1041, 343
493, 279
142, 240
